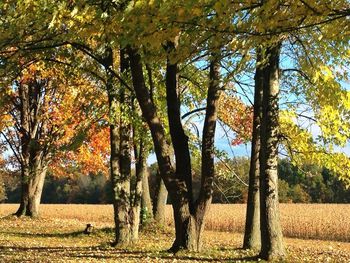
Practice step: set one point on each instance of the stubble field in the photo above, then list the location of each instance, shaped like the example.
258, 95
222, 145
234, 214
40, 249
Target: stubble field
314, 233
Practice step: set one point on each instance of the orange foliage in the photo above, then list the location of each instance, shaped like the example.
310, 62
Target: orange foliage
90, 157
238, 116
70, 105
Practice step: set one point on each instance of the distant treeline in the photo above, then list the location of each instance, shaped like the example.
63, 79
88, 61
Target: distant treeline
306, 184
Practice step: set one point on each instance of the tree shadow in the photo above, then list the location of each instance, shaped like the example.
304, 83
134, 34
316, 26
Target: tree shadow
106, 230
108, 253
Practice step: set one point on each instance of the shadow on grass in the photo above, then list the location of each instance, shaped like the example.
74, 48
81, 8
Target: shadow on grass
109, 253
106, 230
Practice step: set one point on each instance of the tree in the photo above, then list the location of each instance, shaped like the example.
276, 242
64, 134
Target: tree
42, 117
271, 233
185, 34
252, 236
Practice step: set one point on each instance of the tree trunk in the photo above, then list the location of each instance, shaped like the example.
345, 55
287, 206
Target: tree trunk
137, 190
120, 186
272, 246
142, 197
32, 187
119, 159
185, 209
125, 158
177, 133
252, 236
146, 202
25, 150
33, 158
176, 185
136, 208
22, 210
208, 166
35, 191
161, 199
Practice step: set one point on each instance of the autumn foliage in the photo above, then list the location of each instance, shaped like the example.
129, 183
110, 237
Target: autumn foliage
237, 116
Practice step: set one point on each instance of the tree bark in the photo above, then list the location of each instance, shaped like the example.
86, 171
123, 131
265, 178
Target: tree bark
161, 199
35, 191
137, 191
22, 210
189, 222
119, 158
146, 201
176, 186
32, 187
272, 246
252, 236
142, 197
136, 207
126, 211
208, 166
183, 171
25, 150
33, 157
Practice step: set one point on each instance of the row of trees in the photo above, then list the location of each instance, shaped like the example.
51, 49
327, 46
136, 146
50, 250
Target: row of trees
71, 70
306, 184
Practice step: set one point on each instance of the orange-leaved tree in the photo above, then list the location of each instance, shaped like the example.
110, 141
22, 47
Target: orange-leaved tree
45, 113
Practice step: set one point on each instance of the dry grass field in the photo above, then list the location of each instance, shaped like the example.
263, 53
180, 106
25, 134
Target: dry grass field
321, 233
308, 221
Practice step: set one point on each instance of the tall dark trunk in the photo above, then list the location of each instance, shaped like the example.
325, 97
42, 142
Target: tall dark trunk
119, 158
252, 236
208, 166
175, 185
272, 246
179, 139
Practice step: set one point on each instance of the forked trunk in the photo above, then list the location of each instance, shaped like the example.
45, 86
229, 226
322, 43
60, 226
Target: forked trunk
272, 246
178, 136
252, 236
191, 225
179, 183
183, 224
208, 167
176, 186
189, 228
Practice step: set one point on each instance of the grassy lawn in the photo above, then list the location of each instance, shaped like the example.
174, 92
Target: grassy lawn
57, 237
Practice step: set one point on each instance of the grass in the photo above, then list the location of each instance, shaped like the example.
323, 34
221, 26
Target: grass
57, 236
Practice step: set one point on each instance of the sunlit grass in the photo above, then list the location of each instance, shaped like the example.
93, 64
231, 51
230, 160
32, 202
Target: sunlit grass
57, 236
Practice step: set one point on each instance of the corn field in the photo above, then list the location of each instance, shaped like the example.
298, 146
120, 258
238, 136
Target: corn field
305, 221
